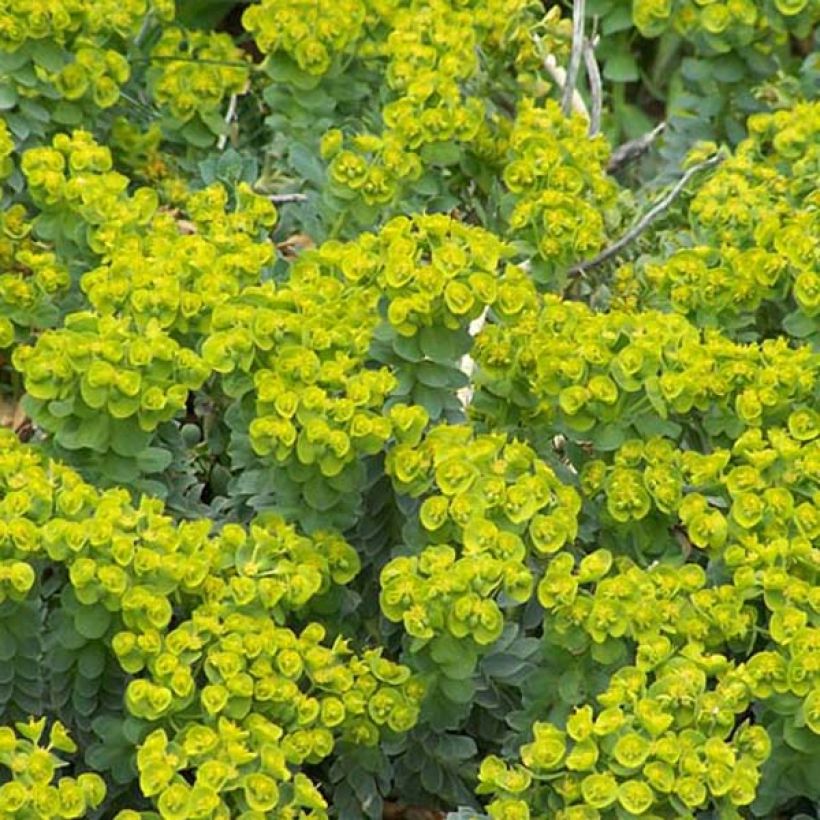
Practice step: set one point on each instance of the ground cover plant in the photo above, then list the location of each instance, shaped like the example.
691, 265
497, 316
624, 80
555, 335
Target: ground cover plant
409, 409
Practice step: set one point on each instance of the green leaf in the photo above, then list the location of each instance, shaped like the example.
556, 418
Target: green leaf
18, 126
801, 326
100, 756
455, 747
695, 70
502, 666
317, 100
10, 61
728, 68
78, 434
319, 494
61, 409
608, 438
571, 686
435, 375
49, 55
432, 776
214, 122
408, 347
430, 399
458, 691
649, 426
198, 134
281, 68
154, 460
8, 644
619, 19
457, 659
202, 14
621, 68
8, 96
609, 652
134, 729
128, 438
91, 662
441, 153
442, 345
598, 8
92, 622
801, 738
307, 164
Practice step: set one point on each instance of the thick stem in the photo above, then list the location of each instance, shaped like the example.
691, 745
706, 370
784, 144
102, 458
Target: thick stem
596, 90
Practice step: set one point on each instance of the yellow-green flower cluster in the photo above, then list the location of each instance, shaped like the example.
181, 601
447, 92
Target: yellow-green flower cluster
310, 319
310, 33
557, 175
258, 724
434, 271
301, 349
95, 72
761, 479
658, 610
243, 701
107, 364
303, 346
242, 601
756, 507
725, 23
370, 166
584, 370
432, 51
752, 227
175, 271
655, 741
508, 23
65, 59
331, 425
73, 178
31, 276
193, 72
489, 503
64, 20
31, 762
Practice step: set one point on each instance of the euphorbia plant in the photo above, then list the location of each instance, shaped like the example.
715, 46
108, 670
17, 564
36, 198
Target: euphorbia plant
381, 444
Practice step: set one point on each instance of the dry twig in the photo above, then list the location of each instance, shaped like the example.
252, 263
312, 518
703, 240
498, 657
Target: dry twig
648, 218
279, 199
596, 91
578, 10
231, 113
631, 150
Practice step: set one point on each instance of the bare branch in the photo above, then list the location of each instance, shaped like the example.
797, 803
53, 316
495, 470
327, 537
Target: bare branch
629, 151
230, 114
596, 90
280, 199
578, 10
559, 75
648, 218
